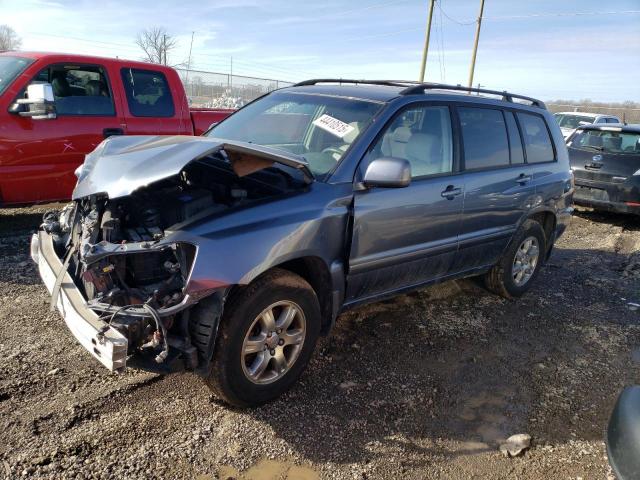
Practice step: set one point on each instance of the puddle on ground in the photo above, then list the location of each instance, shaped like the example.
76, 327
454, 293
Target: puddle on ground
269, 470
484, 414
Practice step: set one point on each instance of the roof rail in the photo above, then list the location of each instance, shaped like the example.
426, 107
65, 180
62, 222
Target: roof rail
506, 96
390, 83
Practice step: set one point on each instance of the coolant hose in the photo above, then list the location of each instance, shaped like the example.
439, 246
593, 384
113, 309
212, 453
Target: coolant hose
162, 356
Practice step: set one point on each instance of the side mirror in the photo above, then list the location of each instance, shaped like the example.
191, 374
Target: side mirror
623, 435
388, 172
39, 104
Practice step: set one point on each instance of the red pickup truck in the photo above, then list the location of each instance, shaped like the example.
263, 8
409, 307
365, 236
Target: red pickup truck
55, 108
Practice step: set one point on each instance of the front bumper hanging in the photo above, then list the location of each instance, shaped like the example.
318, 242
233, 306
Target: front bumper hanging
102, 341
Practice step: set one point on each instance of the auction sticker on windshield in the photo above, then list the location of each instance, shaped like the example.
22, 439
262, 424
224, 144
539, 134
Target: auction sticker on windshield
333, 125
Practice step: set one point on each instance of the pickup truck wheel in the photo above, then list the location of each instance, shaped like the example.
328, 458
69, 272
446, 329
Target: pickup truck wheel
521, 262
267, 335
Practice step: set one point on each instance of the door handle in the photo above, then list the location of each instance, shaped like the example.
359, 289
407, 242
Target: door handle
593, 166
109, 132
523, 179
451, 192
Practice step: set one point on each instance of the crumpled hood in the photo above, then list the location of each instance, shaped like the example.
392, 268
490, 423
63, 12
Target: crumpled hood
122, 164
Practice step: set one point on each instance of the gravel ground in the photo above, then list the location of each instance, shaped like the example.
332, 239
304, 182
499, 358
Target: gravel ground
424, 386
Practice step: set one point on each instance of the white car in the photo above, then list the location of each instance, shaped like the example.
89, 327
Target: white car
569, 121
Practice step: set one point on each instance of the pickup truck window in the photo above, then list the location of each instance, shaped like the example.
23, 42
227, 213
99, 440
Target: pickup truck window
10, 68
78, 90
148, 93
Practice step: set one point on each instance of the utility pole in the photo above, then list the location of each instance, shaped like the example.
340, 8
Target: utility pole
423, 65
231, 77
164, 50
475, 44
186, 82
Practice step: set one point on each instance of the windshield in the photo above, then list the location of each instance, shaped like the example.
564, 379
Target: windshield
566, 120
319, 128
607, 141
10, 68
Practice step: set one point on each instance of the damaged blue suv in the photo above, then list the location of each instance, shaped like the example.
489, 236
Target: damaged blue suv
229, 254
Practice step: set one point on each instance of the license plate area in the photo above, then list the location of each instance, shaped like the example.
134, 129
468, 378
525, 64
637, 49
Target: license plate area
591, 193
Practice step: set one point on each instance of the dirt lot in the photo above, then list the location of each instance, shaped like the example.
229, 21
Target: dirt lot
424, 386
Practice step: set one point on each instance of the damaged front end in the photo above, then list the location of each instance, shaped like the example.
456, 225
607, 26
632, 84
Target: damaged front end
129, 276
119, 268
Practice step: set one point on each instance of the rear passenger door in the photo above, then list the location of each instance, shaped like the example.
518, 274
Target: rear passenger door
499, 186
150, 105
541, 156
407, 236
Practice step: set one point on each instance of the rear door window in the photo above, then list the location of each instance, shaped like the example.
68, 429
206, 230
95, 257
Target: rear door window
537, 142
148, 93
484, 136
78, 90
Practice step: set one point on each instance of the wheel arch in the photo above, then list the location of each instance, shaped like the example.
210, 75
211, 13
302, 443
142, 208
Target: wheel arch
547, 219
315, 271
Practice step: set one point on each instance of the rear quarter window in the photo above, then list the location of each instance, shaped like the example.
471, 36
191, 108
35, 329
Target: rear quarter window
537, 142
484, 136
515, 141
148, 93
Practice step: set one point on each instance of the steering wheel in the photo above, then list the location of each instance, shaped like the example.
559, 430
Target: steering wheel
333, 150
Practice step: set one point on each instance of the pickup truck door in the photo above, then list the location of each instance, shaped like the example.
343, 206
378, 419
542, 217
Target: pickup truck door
41, 162
403, 237
154, 102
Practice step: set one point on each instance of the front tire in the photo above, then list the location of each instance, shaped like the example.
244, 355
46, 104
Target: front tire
267, 335
521, 262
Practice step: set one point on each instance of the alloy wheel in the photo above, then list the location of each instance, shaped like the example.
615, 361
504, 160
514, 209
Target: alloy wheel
274, 342
525, 261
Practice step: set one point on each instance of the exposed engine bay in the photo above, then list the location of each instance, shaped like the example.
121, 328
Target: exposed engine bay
117, 254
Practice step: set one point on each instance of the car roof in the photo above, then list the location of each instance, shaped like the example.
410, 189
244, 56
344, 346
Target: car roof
616, 127
386, 93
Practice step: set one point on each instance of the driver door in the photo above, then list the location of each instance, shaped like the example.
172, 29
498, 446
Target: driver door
403, 237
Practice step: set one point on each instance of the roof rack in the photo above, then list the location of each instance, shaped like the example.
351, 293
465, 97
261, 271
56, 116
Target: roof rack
389, 83
413, 88
506, 96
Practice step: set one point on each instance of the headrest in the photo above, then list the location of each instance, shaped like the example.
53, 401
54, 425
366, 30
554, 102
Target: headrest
419, 145
402, 134
93, 88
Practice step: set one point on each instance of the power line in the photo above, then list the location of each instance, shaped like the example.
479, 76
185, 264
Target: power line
368, 7
442, 12
223, 62
565, 14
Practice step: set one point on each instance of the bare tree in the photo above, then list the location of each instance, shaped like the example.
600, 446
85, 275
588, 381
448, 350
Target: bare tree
9, 39
156, 44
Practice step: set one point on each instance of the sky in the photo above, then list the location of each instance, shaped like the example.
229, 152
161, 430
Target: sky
549, 49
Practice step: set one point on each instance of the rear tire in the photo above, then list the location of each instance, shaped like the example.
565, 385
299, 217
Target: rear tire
267, 335
520, 264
